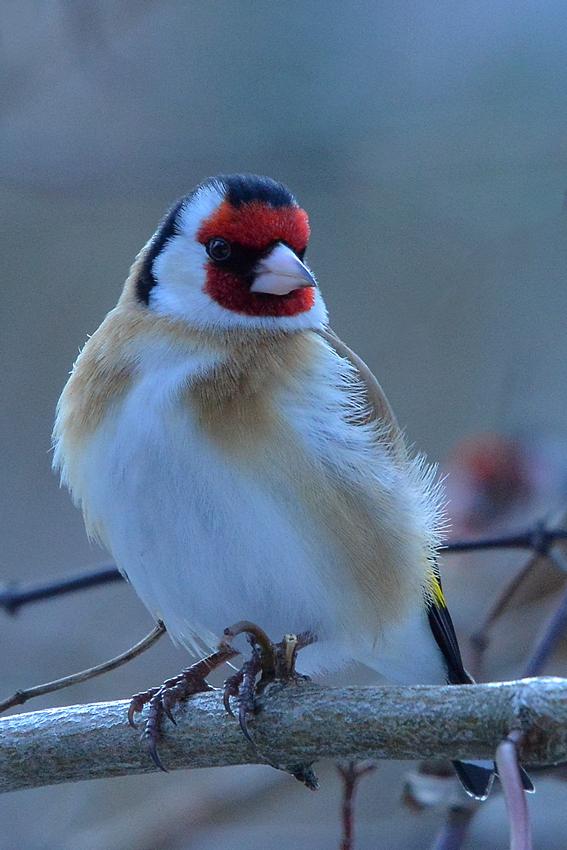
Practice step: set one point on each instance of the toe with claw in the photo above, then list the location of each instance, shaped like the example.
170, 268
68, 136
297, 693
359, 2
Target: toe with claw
272, 661
162, 700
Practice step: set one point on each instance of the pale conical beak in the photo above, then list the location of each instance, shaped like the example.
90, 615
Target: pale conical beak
281, 272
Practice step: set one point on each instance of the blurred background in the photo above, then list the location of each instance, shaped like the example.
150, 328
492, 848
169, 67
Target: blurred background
427, 141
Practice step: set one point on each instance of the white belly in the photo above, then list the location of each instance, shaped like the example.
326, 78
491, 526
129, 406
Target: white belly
203, 545
207, 542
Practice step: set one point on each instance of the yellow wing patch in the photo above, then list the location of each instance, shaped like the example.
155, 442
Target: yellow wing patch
435, 589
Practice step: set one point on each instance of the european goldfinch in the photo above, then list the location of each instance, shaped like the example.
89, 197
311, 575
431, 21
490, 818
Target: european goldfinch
239, 462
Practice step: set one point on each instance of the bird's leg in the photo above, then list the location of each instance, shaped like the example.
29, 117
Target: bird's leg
274, 661
161, 700
242, 685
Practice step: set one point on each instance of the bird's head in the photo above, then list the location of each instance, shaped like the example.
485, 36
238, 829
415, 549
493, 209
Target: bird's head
230, 254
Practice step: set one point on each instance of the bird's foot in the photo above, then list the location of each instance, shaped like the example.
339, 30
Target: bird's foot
268, 662
162, 700
271, 661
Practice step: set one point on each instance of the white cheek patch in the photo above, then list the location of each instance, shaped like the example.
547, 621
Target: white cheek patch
180, 263
179, 269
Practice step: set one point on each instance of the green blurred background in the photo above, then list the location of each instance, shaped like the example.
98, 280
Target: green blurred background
427, 141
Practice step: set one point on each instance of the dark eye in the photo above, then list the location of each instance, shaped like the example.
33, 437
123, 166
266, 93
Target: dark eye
218, 249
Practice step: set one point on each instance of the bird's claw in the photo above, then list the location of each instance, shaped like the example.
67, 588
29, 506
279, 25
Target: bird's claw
137, 703
271, 660
162, 700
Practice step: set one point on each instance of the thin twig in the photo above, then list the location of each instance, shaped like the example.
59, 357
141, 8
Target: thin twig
351, 772
539, 539
455, 828
553, 632
554, 629
480, 638
22, 696
12, 598
514, 794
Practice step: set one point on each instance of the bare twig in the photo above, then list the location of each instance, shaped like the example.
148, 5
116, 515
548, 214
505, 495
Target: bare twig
351, 772
539, 539
455, 828
552, 634
514, 794
295, 724
12, 597
22, 696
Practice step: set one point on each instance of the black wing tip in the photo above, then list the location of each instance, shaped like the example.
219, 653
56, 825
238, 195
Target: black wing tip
443, 631
475, 778
527, 783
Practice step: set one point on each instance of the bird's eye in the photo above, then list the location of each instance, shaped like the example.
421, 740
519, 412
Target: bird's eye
218, 249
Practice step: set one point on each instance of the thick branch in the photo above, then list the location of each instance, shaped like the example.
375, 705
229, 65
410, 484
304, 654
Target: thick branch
296, 724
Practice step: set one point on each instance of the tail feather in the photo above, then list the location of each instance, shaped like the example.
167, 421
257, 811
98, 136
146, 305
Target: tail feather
476, 776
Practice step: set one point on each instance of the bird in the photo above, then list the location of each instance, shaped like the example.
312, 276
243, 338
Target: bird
240, 462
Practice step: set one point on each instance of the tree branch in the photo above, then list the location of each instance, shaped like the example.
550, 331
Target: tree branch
295, 725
